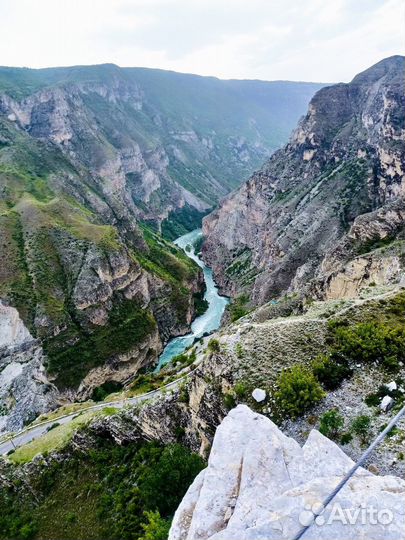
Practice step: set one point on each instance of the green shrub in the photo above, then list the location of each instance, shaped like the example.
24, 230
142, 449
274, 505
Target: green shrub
184, 358
331, 423
237, 308
155, 528
171, 475
28, 531
229, 401
184, 395
361, 427
200, 304
214, 345
372, 342
240, 390
329, 372
240, 353
346, 438
107, 388
374, 399
298, 390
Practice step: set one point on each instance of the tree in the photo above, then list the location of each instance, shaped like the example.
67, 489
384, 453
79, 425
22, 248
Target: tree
213, 345
372, 342
169, 478
330, 372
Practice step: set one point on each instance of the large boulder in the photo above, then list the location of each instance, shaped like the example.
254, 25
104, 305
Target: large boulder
260, 484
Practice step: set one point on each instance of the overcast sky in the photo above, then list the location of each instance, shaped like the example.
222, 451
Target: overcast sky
311, 40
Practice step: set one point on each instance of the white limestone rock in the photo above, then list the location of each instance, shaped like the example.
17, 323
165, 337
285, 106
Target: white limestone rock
12, 329
260, 485
25, 390
259, 395
387, 403
392, 386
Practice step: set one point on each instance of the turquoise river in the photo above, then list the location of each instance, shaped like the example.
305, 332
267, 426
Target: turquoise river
211, 319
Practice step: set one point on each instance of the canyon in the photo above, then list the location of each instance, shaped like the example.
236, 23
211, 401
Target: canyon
96, 162
310, 250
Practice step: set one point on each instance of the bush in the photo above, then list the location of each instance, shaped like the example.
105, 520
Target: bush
229, 401
298, 390
361, 427
107, 388
237, 308
346, 438
28, 531
155, 528
331, 423
374, 399
240, 390
329, 372
162, 482
184, 395
213, 345
372, 342
200, 304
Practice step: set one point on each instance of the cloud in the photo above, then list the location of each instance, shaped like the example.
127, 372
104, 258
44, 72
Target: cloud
268, 39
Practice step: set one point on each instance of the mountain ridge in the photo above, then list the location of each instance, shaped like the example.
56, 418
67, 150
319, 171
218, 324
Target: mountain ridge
345, 159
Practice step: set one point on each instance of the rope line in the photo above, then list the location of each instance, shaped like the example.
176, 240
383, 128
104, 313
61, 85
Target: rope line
359, 463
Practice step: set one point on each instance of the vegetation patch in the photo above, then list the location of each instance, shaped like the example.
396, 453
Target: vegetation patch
74, 352
298, 391
238, 307
107, 388
371, 342
55, 439
116, 492
200, 304
330, 372
182, 221
331, 423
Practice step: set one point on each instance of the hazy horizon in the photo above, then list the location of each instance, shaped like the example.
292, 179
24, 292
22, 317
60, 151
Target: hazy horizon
265, 40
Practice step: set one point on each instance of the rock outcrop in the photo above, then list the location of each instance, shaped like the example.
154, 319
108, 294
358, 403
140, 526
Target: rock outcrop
334, 192
260, 484
25, 391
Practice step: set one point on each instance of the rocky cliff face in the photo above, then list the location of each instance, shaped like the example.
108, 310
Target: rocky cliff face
260, 484
334, 192
25, 390
100, 292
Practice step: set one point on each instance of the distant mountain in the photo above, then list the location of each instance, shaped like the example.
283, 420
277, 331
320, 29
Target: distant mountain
165, 143
324, 205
